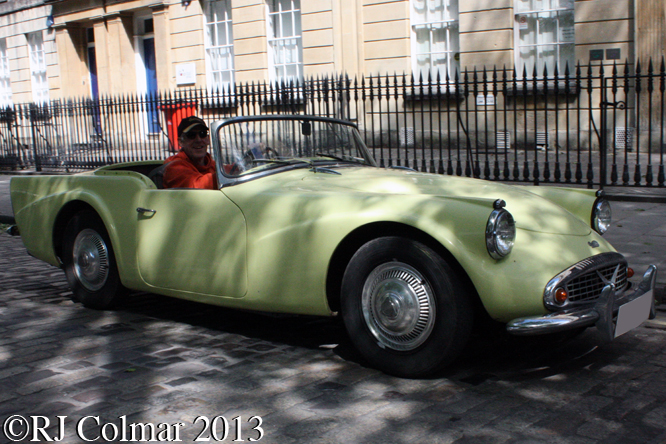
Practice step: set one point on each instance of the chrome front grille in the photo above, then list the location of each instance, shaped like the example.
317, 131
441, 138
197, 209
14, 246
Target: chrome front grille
585, 280
588, 286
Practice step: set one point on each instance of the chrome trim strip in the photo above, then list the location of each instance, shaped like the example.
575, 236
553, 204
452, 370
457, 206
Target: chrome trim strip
601, 314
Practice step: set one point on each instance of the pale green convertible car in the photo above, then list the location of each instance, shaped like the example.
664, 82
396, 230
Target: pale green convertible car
307, 223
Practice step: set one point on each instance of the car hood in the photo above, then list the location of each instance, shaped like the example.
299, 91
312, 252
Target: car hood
531, 212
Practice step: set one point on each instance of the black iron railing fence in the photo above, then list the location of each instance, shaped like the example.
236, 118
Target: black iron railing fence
593, 124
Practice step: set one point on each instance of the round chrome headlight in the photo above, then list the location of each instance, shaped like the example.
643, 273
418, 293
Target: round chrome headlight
601, 215
500, 232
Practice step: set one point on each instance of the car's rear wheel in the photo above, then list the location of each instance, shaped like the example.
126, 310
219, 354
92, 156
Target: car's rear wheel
89, 262
404, 308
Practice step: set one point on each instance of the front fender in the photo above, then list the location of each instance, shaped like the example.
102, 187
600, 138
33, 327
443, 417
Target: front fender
508, 288
578, 201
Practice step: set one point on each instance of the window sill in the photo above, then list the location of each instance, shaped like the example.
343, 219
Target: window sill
526, 88
434, 91
540, 87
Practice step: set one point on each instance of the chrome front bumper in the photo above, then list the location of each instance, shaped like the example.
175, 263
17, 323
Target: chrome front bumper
614, 313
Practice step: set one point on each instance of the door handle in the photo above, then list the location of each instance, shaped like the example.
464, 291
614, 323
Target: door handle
141, 210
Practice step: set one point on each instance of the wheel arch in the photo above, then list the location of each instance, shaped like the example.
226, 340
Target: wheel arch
354, 240
65, 214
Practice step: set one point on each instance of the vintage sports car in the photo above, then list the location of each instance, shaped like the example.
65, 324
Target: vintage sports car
305, 222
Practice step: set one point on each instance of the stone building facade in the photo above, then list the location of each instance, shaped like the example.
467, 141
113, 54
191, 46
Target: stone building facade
77, 48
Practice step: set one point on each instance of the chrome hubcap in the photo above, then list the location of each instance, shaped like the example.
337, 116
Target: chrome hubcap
91, 260
398, 306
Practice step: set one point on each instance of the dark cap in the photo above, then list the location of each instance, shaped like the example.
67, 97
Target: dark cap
189, 123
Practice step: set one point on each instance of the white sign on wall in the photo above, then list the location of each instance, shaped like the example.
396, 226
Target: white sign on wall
186, 74
488, 100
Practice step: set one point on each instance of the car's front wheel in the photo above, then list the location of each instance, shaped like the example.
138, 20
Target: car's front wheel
89, 262
404, 308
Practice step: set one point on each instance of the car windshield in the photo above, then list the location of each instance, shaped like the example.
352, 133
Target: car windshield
251, 145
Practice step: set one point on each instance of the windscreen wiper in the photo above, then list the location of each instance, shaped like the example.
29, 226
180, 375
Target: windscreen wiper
341, 158
281, 161
320, 154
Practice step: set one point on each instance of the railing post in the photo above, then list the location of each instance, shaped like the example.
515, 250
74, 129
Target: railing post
603, 138
33, 128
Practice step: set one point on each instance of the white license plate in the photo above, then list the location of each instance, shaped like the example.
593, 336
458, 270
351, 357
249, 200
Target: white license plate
634, 313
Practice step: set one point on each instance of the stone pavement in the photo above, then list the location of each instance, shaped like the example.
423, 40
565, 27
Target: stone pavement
5, 201
638, 231
184, 368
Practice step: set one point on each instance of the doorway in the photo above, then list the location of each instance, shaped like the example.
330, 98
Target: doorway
147, 71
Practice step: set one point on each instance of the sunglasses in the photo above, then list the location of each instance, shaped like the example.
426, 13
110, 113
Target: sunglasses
192, 134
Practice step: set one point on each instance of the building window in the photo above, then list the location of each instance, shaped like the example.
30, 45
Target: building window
40, 84
435, 41
219, 45
284, 40
5, 82
545, 35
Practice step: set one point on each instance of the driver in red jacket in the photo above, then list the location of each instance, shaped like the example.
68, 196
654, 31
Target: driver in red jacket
192, 166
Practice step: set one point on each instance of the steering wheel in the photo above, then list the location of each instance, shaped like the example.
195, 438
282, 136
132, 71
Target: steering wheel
250, 157
234, 168
270, 153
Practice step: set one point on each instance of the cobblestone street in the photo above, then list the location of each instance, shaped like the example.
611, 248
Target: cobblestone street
178, 365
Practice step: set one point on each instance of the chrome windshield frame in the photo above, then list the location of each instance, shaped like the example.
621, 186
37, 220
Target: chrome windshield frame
228, 180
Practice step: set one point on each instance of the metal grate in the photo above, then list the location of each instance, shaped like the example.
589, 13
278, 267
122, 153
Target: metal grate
502, 140
407, 136
624, 138
588, 286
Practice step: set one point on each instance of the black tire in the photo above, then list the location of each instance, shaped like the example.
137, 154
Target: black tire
404, 308
89, 262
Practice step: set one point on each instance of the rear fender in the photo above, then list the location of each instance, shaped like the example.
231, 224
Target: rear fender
42, 206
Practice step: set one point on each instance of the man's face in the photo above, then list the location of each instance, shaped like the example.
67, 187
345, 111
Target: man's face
194, 145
